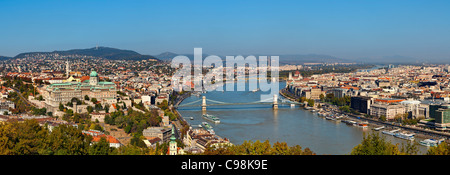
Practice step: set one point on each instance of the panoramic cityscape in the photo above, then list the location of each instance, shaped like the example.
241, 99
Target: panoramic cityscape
225, 78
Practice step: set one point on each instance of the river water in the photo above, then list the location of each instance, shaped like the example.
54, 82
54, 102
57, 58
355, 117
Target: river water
295, 126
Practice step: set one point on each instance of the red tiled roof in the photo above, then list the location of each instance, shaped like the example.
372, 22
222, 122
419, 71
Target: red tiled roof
109, 139
84, 78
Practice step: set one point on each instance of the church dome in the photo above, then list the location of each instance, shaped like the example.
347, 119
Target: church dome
93, 74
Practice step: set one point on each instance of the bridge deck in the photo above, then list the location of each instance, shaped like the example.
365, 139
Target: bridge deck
230, 104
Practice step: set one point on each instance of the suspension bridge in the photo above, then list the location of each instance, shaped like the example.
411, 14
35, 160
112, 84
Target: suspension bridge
275, 101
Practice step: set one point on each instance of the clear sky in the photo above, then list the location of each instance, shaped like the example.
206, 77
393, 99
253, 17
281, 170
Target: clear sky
342, 28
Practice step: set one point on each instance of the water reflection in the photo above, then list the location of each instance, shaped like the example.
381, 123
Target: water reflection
295, 126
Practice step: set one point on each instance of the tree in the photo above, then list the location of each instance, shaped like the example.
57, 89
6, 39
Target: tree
68, 140
76, 100
94, 100
127, 129
89, 109
345, 109
164, 105
373, 144
96, 126
441, 149
258, 148
281, 148
26, 138
311, 102
86, 97
101, 148
40, 98
137, 140
106, 108
322, 97
131, 150
98, 107
61, 107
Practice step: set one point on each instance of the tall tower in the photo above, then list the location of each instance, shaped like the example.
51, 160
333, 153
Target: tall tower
275, 102
67, 68
203, 103
173, 143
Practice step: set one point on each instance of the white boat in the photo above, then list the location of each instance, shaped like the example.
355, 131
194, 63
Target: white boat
208, 127
406, 136
256, 90
379, 128
429, 142
392, 132
363, 124
211, 118
192, 118
350, 122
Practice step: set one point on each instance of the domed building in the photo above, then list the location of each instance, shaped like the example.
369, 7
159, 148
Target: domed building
93, 78
63, 93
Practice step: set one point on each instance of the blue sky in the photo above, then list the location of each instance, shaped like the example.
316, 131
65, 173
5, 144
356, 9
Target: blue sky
342, 28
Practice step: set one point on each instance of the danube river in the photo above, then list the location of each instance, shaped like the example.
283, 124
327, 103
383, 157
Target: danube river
295, 126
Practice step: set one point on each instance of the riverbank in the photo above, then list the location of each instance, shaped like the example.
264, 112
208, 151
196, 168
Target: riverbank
184, 122
420, 132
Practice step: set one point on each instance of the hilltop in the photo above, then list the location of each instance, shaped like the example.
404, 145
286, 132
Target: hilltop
101, 52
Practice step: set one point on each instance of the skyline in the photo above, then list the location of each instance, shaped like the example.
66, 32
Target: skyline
350, 29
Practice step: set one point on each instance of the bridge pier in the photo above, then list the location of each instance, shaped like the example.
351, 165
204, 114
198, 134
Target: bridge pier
203, 103
275, 102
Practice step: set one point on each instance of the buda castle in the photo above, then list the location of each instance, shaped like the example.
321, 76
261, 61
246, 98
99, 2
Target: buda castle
63, 93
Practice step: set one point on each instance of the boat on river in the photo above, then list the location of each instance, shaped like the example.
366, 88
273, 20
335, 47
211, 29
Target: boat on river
379, 128
392, 132
256, 90
211, 118
429, 142
350, 122
406, 136
363, 124
208, 127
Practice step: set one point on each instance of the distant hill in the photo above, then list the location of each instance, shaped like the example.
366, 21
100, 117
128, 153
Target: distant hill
119, 54
393, 59
311, 58
284, 59
4, 58
168, 56
102, 52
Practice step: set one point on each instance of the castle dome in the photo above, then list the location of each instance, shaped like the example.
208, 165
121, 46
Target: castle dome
93, 74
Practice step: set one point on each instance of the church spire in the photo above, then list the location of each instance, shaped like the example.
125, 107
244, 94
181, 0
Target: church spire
173, 144
172, 138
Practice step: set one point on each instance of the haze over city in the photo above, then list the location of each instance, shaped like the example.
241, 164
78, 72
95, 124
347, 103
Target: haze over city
355, 30
209, 77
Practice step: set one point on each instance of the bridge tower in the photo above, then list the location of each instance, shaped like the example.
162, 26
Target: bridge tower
203, 103
275, 102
